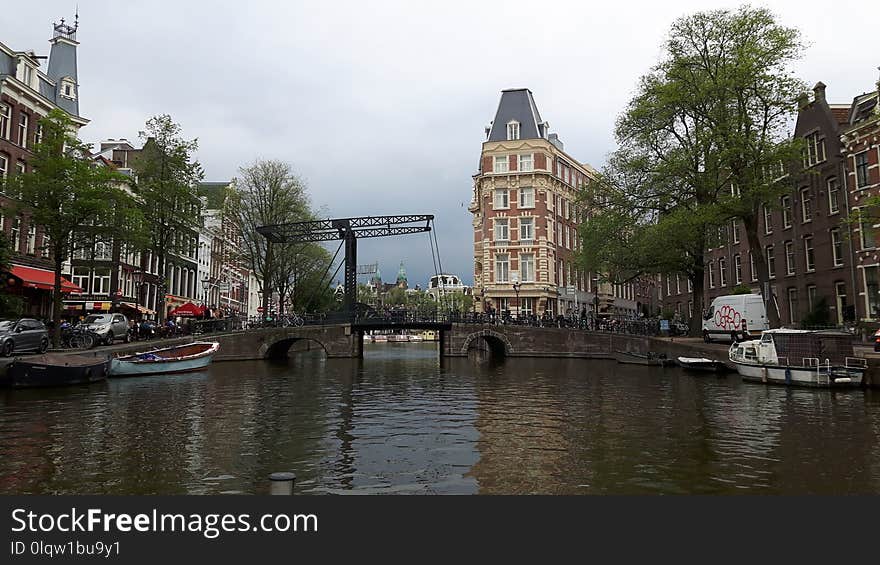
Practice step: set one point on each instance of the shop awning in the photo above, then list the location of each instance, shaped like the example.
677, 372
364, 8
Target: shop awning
140, 308
31, 277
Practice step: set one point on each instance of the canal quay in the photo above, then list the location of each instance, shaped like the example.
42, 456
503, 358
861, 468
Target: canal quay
404, 419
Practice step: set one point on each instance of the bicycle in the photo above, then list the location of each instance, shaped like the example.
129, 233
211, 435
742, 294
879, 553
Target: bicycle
75, 338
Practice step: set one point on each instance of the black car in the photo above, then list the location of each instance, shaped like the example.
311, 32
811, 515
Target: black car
23, 334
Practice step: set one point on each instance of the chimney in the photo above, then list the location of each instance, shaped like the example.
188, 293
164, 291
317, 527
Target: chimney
554, 139
803, 100
819, 92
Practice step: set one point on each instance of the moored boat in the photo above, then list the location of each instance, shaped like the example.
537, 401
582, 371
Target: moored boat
650, 358
55, 370
799, 357
177, 359
700, 364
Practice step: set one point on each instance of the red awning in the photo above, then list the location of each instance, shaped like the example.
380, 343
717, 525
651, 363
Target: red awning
32, 277
188, 309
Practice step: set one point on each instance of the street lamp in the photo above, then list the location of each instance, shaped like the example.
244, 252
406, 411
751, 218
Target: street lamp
137, 277
516, 286
206, 284
596, 300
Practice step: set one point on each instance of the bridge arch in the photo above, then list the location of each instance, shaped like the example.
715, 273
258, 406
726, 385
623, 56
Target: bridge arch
280, 349
497, 343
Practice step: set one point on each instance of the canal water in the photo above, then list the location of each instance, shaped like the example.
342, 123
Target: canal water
402, 421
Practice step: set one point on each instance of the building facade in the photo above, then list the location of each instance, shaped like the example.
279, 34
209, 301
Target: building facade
27, 94
807, 237
525, 218
861, 151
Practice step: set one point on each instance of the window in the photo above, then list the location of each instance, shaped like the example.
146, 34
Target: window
567, 238
840, 292
711, 269
101, 281
862, 169
31, 240
837, 247
792, 305
502, 232
527, 267
527, 198
786, 211
20, 167
559, 240
5, 120
501, 164
768, 220
81, 278
811, 297
526, 229
872, 292
752, 270
722, 271
789, 258
833, 196
771, 262
38, 133
103, 251
737, 270
866, 232
502, 199
527, 306
4, 166
22, 129
815, 152
734, 229
806, 205
567, 210
502, 267
525, 163
512, 130
677, 284
47, 243
809, 254
690, 285
16, 234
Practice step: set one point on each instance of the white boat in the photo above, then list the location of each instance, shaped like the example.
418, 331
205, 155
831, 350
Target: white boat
416, 337
176, 359
700, 364
380, 338
799, 357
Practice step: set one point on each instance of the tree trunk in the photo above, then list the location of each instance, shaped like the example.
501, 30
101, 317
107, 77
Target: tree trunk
697, 279
751, 227
160, 295
56, 301
267, 279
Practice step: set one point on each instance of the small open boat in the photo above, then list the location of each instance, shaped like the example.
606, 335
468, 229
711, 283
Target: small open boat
55, 370
700, 364
650, 358
177, 359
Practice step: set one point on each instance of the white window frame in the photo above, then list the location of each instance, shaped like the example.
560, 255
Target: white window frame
833, 203
857, 168
786, 212
501, 199
5, 120
502, 267
711, 269
527, 228
501, 229
809, 258
792, 305
500, 164
513, 130
737, 270
31, 247
527, 197
15, 234
527, 267
806, 206
768, 220
770, 256
4, 166
23, 124
722, 271
526, 163
790, 266
753, 272
837, 247
80, 277
734, 229
811, 296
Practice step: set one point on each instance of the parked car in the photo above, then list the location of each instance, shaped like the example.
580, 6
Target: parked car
109, 327
23, 334
728, 316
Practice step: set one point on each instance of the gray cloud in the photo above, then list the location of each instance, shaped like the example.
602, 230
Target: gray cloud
381, 105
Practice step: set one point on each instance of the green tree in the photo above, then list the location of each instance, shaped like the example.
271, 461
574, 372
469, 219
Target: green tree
167, 185
266, 193
64, 192
701, 142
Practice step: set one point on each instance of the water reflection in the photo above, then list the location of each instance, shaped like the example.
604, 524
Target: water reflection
399, 421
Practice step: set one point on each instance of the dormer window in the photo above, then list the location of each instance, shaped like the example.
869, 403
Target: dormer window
68, 88
512, 130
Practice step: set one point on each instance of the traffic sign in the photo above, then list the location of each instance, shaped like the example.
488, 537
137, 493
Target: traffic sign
570, 290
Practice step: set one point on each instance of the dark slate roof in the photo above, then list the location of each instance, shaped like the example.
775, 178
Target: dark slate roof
517, 104
62, 63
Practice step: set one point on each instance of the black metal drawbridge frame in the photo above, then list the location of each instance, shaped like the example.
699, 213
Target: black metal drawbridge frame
349, 230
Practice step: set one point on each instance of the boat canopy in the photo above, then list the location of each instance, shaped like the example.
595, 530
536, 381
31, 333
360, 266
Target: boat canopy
798, 345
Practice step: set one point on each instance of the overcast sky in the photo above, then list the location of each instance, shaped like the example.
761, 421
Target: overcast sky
381, 106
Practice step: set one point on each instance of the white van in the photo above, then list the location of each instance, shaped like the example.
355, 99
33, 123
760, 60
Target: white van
724, 318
